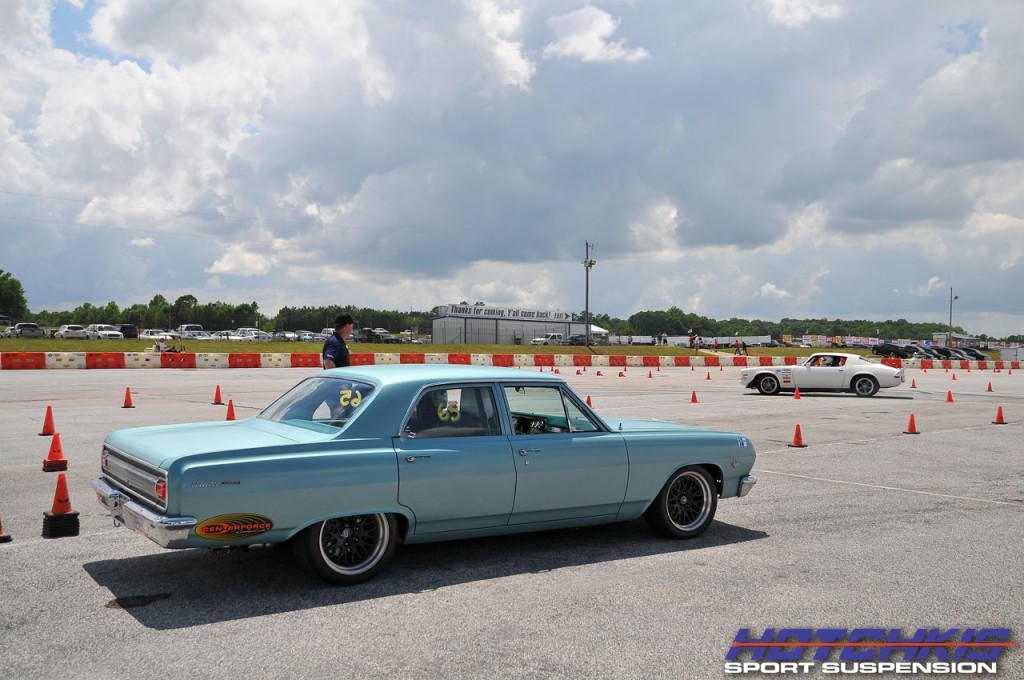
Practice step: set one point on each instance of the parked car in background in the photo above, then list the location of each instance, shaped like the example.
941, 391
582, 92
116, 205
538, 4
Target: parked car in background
26, 330
576, 340
549, 339
197, 335
227, 336
353, 462
103, 331
824, 372
309, 336
284, 336
976, 354
71, 332
129, 331
887, 349
252, 335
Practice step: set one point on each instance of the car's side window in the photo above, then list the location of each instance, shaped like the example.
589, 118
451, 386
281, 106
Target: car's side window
544, 410
454, 412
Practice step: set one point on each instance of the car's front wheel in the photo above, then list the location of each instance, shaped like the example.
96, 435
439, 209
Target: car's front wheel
348, 550
864, 386
768, 384
685, 506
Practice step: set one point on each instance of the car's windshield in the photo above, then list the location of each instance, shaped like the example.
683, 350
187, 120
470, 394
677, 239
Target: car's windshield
325, 404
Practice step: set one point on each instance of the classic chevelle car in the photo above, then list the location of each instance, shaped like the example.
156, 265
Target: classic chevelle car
353, 461
824, 372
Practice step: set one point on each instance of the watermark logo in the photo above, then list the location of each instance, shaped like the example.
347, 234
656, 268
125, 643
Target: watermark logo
921, 651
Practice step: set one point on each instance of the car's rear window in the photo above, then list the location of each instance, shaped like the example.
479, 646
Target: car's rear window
322, 403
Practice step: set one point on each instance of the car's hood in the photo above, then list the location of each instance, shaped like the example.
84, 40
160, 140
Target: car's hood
639, 424
160, 445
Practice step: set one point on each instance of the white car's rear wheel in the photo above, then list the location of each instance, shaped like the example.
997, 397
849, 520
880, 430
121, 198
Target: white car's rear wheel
864, 386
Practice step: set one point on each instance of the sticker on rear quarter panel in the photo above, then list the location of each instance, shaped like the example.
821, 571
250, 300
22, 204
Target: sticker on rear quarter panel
234, 527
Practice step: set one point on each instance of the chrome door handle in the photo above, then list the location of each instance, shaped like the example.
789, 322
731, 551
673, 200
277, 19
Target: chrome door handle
412, 459
524, 452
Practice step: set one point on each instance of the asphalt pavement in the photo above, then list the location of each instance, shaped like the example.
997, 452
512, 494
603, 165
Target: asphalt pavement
865, 527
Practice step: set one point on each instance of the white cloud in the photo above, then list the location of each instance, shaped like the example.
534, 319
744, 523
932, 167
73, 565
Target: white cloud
795, 13
143, 242
929, 288
770, 290
585, 34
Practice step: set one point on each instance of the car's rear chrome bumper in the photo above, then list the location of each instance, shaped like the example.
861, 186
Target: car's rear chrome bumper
747, 483
167, 532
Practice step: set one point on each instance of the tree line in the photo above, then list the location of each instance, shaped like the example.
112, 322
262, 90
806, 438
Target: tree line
161, 313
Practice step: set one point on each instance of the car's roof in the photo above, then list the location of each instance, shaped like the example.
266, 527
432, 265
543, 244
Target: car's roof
431, 373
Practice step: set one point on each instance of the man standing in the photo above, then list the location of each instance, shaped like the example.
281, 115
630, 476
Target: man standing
335, 353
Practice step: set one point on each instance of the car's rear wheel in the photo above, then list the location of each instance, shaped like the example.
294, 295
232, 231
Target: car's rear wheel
685, 506
768, 384
864, 386
348, 550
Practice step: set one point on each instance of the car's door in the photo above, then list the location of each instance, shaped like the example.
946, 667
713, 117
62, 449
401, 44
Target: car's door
822, 372
567, 466
455, 464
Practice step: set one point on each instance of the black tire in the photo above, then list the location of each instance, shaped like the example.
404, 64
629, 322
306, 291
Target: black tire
768, 384
686, 505
864, 386
348, 550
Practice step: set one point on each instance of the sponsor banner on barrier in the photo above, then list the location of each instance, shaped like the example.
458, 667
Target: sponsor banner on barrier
141, 360
211, 360
275, 360
65, 360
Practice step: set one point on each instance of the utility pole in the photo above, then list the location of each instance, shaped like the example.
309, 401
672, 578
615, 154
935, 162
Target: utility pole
949, 336
587, 264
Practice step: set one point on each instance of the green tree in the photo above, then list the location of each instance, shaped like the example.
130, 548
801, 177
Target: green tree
12, 297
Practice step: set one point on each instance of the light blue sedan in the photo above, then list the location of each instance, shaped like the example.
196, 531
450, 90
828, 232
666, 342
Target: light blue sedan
353, 461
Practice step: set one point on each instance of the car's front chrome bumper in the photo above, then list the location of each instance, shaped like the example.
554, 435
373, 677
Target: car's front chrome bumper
747, 483
167, 532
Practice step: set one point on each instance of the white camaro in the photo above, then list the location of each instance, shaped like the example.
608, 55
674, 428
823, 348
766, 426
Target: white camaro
824, 372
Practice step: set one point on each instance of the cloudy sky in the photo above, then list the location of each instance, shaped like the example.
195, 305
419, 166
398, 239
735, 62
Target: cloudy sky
764, 159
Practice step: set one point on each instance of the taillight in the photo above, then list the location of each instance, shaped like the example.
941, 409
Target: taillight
161, 490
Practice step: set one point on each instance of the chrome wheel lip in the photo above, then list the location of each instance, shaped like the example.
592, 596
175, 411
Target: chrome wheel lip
679, 501
351, 546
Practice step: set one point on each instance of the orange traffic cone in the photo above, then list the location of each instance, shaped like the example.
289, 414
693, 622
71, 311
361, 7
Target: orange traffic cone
949, 397
796, 393
55, 462
622, 374
693, 397
61, 520
911, 426
128, 398
954, 376
798, 440
999, 417
216, 398
720, 369
47, 423
989, 387
588, 402
4, 538
913, 384
558, 372
691, 368
231, 410
709, 376
600, 374
578, 372
649, 374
